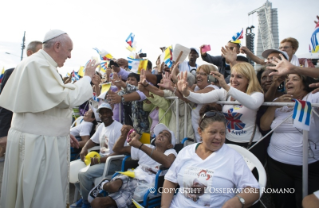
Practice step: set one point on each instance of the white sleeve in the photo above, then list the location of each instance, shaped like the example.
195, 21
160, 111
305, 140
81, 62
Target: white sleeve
96, 136
135, 153
243, 177
253, 101
86, 128
75, 130
316, 193
210, 97
172, 172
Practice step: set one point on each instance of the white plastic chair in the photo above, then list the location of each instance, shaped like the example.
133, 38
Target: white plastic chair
253, 162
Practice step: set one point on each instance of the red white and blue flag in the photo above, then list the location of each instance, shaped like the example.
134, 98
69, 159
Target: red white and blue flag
302, 114
238, 36
75, 76
233, 120
130, 39
314, 39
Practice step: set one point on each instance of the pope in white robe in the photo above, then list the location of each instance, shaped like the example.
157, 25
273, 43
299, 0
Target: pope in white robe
37, 157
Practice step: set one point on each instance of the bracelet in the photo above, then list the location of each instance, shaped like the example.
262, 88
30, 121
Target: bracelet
152, 152
93, 161
146, 85
98, 160
141, 146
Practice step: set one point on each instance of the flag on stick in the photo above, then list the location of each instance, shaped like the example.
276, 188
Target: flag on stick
135, 65
105, 87
104, 54
302, 114
130, 39
1, 75
81, 71
168, 56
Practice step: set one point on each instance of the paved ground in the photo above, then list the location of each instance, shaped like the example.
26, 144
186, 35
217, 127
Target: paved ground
266, 199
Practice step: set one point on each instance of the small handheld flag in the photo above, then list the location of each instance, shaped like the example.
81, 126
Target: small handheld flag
136, 65
168, 56
236, 38
103, 65
314, 39
302, 114
105, 87
81, 71
1, 75
130, 39
104, 54
75, 76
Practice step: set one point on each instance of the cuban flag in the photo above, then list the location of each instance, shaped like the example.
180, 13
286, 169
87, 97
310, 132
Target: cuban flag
302, 114
130, 39
103, 65
1, 75
238, 36
75, 76
233, 120
94, 97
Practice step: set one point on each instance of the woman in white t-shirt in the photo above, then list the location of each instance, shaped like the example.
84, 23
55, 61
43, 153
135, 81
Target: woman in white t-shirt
210, 174
241, 118
285, 151
121, 188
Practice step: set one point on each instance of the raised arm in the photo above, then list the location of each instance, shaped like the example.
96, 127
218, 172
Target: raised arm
284, 67
165, 160
252, 56
119, 147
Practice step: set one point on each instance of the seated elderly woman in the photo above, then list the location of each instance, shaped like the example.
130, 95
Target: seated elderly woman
285, 151
207, 171
121, 188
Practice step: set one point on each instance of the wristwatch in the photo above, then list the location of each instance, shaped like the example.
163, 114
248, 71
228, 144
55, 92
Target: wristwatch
242, 201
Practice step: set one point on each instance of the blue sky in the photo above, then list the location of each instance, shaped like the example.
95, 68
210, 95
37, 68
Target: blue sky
106, 24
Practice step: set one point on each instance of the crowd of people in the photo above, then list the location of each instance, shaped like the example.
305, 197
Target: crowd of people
37, 106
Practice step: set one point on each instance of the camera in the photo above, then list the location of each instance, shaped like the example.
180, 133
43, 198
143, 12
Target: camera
142, 55
113, 63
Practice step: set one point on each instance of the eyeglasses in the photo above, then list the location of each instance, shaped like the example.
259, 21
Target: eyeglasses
210, 114
284, 47
201, 73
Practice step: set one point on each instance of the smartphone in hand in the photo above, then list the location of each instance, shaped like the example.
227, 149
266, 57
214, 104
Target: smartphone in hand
205, 48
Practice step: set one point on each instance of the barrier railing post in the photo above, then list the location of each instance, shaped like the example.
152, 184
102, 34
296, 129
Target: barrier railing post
177, 120
305, 164
185, 119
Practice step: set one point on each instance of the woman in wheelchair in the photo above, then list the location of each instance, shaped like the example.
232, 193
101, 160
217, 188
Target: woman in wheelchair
121, 188
210, 174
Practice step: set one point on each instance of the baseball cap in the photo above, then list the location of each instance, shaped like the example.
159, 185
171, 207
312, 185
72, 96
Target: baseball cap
104, 105
266, 53
161, 127
195, 49
52, 34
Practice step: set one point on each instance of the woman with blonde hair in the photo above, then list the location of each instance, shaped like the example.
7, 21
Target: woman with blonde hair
241, 118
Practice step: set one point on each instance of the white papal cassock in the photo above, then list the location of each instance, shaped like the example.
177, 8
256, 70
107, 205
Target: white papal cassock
37, 156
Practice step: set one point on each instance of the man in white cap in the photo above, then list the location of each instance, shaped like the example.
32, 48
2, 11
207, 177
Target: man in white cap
121, 188
106, 135
190, 65
37, 158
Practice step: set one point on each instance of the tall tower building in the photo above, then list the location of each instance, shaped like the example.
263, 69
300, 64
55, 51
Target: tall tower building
267, 36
